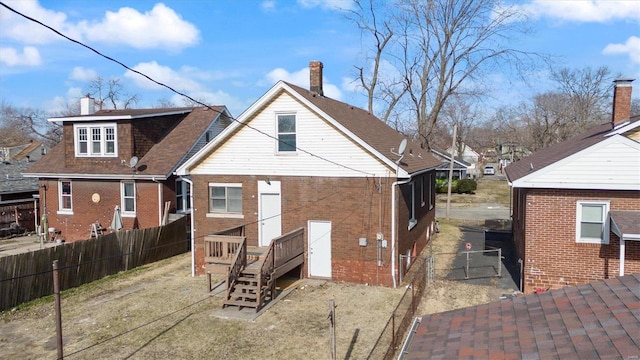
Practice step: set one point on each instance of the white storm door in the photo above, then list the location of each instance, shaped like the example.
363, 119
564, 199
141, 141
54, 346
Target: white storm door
270, 212
319, 245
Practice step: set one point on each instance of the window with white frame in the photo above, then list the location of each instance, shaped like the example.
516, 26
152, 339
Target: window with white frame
65, 197
183, 196
591, 222
412, 207
431, 189
128, 198
423, 184
286, 133
225, 198
95, 140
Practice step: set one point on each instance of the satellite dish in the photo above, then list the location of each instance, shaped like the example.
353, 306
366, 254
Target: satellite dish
133, 161
402, 147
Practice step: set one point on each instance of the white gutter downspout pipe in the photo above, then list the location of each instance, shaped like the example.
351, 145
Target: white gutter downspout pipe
193, 230
394, 231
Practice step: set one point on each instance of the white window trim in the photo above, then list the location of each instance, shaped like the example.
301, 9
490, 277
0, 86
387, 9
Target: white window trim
184, 197
277, 133
123, 210
606, 230
103, 140
211, 214
412, 216
422, 192
62, 211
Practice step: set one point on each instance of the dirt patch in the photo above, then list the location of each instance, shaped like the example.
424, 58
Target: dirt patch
161, 312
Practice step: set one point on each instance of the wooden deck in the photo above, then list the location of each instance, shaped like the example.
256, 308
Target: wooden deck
252, 271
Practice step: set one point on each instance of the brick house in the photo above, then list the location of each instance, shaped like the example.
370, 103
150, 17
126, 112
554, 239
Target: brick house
296, 158
576, 204
122, 158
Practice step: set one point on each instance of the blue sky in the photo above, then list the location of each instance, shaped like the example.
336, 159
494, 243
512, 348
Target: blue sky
231, 52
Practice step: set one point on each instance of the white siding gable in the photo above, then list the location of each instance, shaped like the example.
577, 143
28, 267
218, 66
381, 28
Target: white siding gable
612, 164
252, 150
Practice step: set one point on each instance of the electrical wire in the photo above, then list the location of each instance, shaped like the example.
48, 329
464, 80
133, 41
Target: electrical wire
172, 89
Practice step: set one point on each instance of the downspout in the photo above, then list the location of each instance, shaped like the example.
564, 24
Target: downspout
193, 230
393, 228
160, 204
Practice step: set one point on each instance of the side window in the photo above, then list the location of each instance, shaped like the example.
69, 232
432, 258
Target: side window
591, 222
286, 133
65, 197
128, 195
412, 207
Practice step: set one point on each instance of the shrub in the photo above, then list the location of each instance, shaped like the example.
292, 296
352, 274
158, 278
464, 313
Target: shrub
466, 186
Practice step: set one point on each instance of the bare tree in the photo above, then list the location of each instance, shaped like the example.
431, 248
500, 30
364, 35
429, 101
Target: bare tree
459, 112
111, 94
21, 125
444, 48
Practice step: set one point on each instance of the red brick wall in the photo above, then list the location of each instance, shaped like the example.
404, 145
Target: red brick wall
78, 225
357, 207
552, 256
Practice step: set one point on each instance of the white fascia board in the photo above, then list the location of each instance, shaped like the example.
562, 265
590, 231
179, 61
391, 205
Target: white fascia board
96, 176
116, 117
529, 181
335, 123
623, 128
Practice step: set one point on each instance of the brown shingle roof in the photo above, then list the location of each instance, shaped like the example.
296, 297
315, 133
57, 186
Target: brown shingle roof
599, 320
627, 222
160, 160
372, 131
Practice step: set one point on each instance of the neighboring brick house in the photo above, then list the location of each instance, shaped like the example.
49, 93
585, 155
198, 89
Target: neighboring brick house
124, 158
576, 204
296, 158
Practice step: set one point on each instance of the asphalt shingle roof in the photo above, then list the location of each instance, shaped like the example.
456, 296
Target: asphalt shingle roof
371, 130
160, 160
11, 179
598, 320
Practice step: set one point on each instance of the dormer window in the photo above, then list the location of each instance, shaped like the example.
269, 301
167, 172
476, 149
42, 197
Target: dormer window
95, 140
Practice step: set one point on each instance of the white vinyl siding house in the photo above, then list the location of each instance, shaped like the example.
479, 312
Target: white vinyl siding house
313, 136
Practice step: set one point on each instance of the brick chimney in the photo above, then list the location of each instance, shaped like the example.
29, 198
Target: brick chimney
621, 101
87, 105
315, 74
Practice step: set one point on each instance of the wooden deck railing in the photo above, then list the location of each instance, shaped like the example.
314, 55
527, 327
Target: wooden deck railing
220, 247
237, 265
287, 248
266, 282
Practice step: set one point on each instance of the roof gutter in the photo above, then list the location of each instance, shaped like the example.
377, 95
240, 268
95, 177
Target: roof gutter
97, 176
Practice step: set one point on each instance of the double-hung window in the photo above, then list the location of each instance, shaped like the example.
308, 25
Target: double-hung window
183, 196
225, 199
65, 203
128, 198
591, 222
95, 140
286, 133
412, 207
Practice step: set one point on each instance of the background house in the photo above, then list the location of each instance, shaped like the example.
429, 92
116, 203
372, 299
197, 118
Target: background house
32, 151
461, 168
296, 158
576, 204
122, 158
17, 196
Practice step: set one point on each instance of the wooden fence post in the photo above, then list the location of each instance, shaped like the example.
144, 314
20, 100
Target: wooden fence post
332, 328
56, 295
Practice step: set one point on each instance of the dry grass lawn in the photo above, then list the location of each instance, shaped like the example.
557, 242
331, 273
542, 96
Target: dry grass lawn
488, 191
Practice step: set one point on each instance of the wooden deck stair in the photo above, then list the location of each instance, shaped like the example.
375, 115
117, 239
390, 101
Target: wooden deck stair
252, 272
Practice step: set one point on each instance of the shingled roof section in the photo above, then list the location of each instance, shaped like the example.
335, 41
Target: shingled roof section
371, 130
160, 160
547, 156
599, 320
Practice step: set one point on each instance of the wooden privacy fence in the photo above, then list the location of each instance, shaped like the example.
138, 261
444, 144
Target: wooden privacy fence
28, 276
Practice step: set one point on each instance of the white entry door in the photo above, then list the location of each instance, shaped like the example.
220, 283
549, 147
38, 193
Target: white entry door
319, 245
270, 212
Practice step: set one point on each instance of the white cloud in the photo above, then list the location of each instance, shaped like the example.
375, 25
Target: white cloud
159, 28
301, 78
327, 4
179, 80
630, 48
268, 5
583, 11
30, 56
83, 74
16, 27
